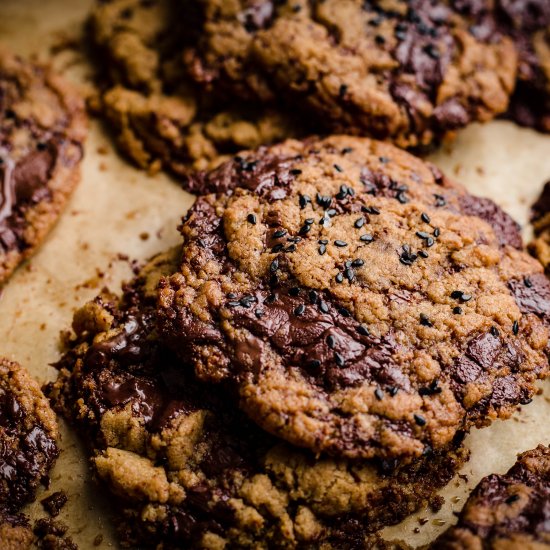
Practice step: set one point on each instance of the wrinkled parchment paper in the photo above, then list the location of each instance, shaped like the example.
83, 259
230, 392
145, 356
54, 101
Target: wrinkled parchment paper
120, 210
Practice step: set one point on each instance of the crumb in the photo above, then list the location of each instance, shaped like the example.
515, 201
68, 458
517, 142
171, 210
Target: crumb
54, 503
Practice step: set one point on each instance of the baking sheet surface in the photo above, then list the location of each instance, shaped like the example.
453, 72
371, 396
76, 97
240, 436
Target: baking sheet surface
118, 210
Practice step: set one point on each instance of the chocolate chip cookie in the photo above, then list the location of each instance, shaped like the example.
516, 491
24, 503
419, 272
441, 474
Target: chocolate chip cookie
42, 129
28, 449
358, 301
506, 511
540, 218
528, 23
409, 71
159, 119
190, 470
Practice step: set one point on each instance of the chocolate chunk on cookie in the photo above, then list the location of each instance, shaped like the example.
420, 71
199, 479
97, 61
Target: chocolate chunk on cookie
190, 470
358, 302
42, 129
28, 449
159, 119
409, 71
506, 511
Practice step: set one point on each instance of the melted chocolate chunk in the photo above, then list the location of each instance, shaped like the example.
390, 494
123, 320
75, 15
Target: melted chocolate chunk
506, 509
28, 446
505, 227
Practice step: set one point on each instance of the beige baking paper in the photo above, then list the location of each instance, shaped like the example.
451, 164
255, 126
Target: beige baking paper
120, 210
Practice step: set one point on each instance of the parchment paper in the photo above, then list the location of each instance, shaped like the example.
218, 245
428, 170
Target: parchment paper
120, 210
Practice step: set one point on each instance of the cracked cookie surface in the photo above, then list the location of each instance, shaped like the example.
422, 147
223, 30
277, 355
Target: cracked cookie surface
506, 511
358, 302
42, 129
394, 69
191, 470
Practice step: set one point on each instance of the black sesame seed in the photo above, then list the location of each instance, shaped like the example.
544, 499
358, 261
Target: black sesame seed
10, 113
323, 220
231, 295
360, 222
259, 313
384, 160
41, 146
331, 341
347, 263
358, 263
422, 235
339, 278
322, 249
323, 200
338, 168
233, 304
323, 306
465, 297
494, 332
295, 172
331, 212
423, 254
379, 39
340, 244
339, 360
290, 248
309, 221
437, 232
370, 210
366, 238
527, 282
379, 394
425, 218
304, 200
245, 302
440, 200
323, 241
314, 364
420, 420
294, 291
393, 391
251, 218
350, 274
515, 327
306, 228
429, 242
425, 321
457, 310
300, 309
347, 150
278, 248
274, 265
456, 294
402, 197
313, 296
363, 330
279, 233
344, 312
